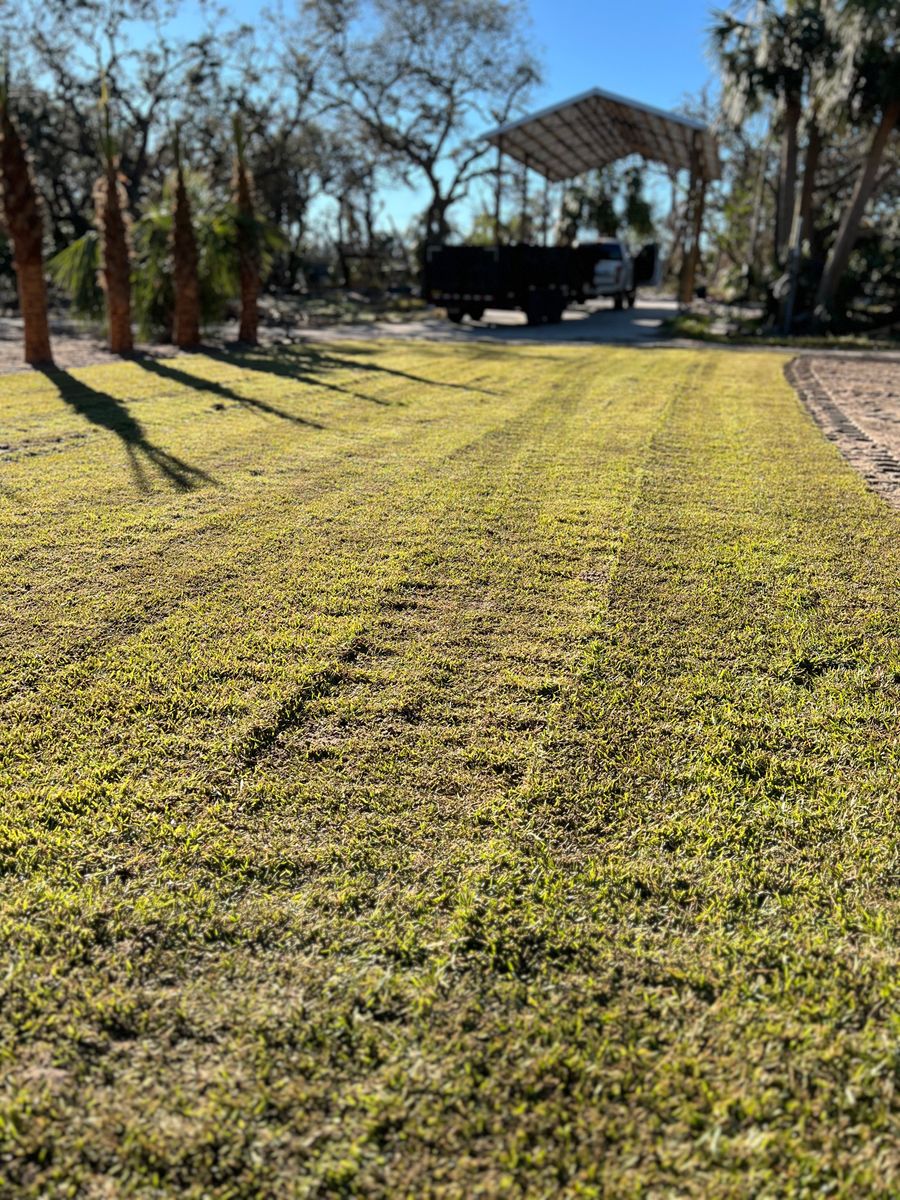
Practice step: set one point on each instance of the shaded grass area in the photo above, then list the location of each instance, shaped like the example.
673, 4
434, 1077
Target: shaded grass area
444, 771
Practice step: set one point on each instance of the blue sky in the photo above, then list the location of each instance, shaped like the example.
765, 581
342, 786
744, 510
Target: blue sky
653, 50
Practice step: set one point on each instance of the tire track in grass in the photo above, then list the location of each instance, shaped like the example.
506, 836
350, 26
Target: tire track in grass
513, 436
518, 487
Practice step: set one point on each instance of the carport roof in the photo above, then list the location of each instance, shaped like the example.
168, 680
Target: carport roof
596, 128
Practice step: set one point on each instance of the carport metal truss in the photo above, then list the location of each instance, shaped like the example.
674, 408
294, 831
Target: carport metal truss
596, 128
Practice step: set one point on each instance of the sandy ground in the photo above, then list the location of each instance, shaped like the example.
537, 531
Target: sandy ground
74, 346
856, 402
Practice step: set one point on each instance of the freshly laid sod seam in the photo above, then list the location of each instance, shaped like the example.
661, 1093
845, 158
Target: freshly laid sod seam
485, 790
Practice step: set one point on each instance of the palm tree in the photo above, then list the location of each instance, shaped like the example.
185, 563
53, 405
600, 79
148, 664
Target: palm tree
870, 64
23, 220
185, 263
111, 214
153, 286
247, 241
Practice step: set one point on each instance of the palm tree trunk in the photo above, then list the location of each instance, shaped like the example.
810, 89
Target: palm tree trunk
848, 231
115, 262
26, 230
787, 178
186, 331
248, 254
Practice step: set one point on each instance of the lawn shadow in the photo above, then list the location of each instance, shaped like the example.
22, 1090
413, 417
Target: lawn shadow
112, 415
165, 369
308, 362
302, 369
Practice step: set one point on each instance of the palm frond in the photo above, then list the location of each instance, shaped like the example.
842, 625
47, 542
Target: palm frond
74, 270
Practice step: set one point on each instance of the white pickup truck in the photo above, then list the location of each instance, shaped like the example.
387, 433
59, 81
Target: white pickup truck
618, 274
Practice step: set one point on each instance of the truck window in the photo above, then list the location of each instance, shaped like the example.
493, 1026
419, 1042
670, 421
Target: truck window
610, 252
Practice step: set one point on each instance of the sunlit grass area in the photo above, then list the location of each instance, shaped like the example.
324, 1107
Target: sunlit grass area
444, 771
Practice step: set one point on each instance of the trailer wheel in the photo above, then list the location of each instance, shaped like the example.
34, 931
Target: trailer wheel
536, 309
476, 312
632, 298
619, 301
455, 315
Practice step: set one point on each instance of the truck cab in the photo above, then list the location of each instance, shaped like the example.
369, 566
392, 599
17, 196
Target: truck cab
614, 272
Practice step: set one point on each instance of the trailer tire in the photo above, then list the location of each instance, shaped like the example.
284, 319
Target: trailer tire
619, 301
455, 315
476, 312
536, 309
632, 298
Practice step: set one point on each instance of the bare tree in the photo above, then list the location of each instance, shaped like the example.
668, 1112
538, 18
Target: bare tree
247, 241
419, 78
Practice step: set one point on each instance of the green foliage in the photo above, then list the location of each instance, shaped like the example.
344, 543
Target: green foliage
215, 226
152, 287
76, 271
445, 769
610, 203
75, 268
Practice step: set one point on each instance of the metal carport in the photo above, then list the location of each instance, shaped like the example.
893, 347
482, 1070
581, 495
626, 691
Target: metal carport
596, 128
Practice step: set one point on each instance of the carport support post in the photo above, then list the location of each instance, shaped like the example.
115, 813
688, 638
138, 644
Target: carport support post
696, 205
498, 195
545, 213
523, 215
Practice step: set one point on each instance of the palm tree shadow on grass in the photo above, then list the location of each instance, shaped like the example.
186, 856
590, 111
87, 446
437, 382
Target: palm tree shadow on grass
269, 361
165, 369
112, 415
307, 363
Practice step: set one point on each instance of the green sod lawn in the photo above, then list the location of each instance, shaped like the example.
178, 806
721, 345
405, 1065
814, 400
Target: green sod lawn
444, 771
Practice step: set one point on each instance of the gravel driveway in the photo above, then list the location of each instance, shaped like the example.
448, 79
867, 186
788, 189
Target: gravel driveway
856, 402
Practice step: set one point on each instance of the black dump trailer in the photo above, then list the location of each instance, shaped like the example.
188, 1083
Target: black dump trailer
468, 279
540, 280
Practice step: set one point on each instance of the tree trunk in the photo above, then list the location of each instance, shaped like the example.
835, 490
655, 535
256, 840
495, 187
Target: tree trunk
696, 202
848, 231
23, 220
756, 215
248, 253
343, 260
807, 193
115, 261
787, 179
186, 270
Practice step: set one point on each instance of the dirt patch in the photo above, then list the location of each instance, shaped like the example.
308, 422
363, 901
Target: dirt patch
856, 402
73, 346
